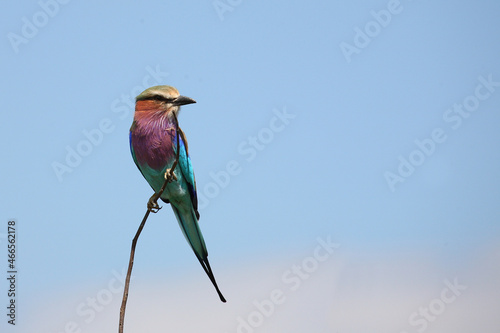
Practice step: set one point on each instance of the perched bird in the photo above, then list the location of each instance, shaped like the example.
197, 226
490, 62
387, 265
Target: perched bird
154, 141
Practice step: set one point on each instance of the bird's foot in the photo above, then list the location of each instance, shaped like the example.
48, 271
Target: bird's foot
153, 204
170, 175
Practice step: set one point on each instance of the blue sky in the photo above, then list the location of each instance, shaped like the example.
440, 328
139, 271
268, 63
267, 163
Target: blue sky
304, 111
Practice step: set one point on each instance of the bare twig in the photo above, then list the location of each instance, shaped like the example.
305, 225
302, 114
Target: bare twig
169, 177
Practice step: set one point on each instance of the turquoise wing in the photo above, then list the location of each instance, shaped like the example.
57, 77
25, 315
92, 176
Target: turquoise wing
187, 170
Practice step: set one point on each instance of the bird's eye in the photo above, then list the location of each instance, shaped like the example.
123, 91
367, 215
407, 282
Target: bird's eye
158, 97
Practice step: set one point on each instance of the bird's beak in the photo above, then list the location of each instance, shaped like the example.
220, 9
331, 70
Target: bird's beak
183, 100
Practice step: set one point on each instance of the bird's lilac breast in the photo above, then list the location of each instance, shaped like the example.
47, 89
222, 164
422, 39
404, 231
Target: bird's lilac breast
153, 143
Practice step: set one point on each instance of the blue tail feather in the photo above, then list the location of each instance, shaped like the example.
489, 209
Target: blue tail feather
191, 230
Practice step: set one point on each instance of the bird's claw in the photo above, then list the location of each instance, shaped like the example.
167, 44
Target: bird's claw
170, 175
153, 204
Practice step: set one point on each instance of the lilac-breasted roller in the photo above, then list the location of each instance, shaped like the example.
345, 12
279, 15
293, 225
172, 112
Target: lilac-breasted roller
153, 143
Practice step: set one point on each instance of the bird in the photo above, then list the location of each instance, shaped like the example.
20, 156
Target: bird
156, 142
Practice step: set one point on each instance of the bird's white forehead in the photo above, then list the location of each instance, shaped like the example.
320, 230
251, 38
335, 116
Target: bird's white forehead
165, 91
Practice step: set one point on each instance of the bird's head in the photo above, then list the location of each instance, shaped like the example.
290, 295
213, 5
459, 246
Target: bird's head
161, 98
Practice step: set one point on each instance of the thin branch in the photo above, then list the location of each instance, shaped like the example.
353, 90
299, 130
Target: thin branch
169, 177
